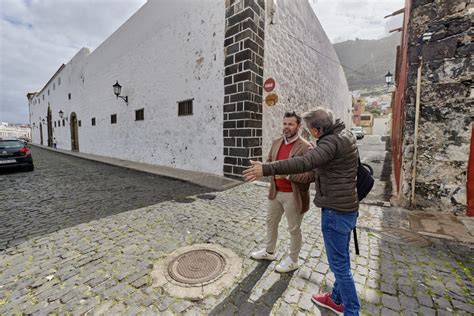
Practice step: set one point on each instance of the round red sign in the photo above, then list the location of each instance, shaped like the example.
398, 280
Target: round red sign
269, 85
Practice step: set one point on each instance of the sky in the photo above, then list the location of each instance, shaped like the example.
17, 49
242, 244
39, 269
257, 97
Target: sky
37, 36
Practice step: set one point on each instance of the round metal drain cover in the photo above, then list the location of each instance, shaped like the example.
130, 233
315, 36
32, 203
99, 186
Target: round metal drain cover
196, 266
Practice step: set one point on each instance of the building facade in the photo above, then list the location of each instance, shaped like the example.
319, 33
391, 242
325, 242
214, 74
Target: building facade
14, 131
193, 75
434, 79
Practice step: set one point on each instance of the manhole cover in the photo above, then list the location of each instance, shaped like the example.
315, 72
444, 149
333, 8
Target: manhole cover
403, 237
196, 266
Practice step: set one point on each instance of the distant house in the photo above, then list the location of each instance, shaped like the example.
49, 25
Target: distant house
192, 80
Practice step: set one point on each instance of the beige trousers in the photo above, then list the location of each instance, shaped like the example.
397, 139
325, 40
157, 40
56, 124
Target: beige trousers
284, 203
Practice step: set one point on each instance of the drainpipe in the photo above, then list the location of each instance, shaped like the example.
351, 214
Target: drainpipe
426, 37
417, 122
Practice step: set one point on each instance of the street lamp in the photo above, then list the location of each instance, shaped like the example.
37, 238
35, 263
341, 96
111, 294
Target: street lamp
117, 90
388, 78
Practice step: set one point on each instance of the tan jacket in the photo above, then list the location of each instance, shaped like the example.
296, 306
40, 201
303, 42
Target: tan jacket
299, 182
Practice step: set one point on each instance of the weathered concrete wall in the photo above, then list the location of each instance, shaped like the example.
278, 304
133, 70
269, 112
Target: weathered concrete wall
304, 78
446, 106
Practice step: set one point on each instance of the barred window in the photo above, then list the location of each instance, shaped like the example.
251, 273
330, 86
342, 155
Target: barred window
185, 107
113, 119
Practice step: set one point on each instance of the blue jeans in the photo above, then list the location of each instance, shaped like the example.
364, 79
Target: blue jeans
337, 227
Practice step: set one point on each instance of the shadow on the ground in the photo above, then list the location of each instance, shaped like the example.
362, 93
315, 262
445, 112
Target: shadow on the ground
65, 191
238, 300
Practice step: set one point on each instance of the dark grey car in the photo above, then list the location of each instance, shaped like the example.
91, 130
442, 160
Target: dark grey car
15, 153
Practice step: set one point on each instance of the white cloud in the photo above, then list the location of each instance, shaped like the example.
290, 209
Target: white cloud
37, 36
349, 19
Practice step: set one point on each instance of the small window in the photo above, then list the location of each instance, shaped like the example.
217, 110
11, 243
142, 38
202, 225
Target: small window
93, 121
59, 81
54, 123
185, 107
59, 123
79, 123
64, 124
139, 115
54, 86
43, 96
69, 96
113, 119
48, 91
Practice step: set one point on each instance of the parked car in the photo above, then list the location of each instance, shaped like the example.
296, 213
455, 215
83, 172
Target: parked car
15, 153
358, 132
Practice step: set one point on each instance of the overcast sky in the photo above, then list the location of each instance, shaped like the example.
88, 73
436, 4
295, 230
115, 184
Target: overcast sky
37, 36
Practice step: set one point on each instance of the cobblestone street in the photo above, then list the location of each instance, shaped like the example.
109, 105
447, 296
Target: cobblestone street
64, 191
101, 264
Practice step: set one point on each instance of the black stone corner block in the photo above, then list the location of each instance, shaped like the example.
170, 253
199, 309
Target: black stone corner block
251, 142
241, 132
240, 116
230, 89
227, 169
238, 170
230, 70
243, 76
238, 152
246, 14
250, 24
228, 41
228, 80
248, 43
229, 108
243, 96
232, 49
243, 55
232, 31
254, 5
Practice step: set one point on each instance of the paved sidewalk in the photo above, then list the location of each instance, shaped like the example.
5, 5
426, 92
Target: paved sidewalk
103, 266
207, 180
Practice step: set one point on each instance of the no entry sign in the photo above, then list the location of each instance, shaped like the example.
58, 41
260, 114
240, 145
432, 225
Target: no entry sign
269, 85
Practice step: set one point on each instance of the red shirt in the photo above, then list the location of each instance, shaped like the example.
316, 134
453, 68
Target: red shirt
284, 185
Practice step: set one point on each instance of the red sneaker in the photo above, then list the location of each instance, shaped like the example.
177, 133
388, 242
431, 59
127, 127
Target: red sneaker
325, 300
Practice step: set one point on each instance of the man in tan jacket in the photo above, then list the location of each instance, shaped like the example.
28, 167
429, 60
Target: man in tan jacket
287, 194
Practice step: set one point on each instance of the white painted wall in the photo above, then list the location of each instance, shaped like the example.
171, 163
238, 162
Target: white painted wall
381, 126
304, 79
167, 52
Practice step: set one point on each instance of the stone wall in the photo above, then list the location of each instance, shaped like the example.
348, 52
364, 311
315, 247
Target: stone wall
446, 106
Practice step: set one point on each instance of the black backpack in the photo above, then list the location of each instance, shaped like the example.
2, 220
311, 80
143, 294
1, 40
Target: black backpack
365, 183
365, 180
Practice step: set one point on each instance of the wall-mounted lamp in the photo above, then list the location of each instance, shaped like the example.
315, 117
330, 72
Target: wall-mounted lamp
117, 90
43, 121
388, 78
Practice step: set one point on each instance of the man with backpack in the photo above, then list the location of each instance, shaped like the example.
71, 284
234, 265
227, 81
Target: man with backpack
336, 161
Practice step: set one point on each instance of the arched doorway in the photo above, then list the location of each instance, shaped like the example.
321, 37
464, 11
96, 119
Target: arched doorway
74, 132
41, 133
50, 128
